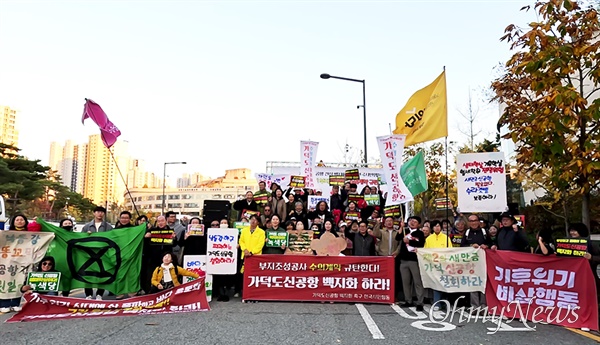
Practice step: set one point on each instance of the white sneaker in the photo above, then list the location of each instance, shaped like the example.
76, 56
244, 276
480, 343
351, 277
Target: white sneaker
4, 310
585, 329
15, 309
98, 297
236, 295
88, 297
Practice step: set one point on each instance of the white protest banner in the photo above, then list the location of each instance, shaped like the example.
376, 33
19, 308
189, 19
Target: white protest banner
197, 263
282, 180
368, 176
481, 182
20, 251
313, 200
453, 269
308, 160
221, 251
391, 148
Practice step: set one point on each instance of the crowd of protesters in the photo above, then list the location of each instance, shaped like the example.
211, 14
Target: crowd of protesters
368, 232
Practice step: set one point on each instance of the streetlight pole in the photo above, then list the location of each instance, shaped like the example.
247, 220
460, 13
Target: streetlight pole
164, 183
364, 106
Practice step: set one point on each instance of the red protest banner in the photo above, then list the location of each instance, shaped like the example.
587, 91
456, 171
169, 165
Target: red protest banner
360, 279
556, 290
184, 298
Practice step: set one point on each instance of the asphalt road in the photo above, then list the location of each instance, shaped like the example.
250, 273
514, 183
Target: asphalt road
281, 323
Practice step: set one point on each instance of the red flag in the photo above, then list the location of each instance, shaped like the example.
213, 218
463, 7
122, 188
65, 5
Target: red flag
108, 130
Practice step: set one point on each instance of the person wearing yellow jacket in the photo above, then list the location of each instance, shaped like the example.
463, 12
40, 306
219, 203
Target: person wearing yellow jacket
437, 240
161, 280
252, 239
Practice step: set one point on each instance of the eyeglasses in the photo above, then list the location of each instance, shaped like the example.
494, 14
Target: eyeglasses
46, 264
214, 224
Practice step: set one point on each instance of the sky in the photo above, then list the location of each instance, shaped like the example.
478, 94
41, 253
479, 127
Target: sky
234, 84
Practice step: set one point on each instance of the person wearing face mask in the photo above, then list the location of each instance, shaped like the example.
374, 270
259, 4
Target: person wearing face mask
66, 224
195, 245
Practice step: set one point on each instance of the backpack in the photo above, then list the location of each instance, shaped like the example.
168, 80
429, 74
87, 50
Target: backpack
179, 277
482, 230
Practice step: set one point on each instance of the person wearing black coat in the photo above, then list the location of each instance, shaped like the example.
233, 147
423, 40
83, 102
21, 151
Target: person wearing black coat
475, 237
321, 211
511, 236
411, 239
245, 204
363, 244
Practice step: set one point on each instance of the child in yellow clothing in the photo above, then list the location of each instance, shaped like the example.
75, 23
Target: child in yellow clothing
161, 280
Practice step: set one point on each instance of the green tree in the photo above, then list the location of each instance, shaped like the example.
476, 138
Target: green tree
21, 179
549, 90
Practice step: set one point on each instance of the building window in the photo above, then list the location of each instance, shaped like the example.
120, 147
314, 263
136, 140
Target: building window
174, 197
190, 205
157, 205
175, 205
186, 196
151, 198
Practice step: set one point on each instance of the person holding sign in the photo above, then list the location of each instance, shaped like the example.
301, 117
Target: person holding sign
193, 240
167, 274
276, 237
160, 240
511, 236
410, 240
278, 204
46, 265
245, 204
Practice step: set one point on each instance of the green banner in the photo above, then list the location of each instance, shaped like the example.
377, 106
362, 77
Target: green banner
43, 281
277, 238
109, 260
414, 175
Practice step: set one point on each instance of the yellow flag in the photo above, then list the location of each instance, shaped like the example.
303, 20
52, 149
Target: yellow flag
425, 115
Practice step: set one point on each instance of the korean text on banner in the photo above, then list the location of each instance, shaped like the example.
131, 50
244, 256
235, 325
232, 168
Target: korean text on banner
197, 263
195, 230
551, 289
425, 115
308, 160
19, 252
391, 148
313, 200
571, 246
221, 252
184, 298
453, 269
282, 180
43, 281
361, 279
277, 239
481, 182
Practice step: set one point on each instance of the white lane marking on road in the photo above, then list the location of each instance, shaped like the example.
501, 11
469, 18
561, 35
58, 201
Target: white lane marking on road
371, 325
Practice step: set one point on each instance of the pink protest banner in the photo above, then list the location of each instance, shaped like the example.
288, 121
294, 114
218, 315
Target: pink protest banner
184, 298
359, 279
549, 289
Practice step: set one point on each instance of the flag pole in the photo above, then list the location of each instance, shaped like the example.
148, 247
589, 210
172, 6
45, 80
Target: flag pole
124, 181
447, 185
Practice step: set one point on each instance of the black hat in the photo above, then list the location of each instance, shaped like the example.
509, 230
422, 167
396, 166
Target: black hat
417, 218
99, 209
507, 215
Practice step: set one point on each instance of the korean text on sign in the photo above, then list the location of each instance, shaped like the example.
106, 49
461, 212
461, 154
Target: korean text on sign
221, 252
